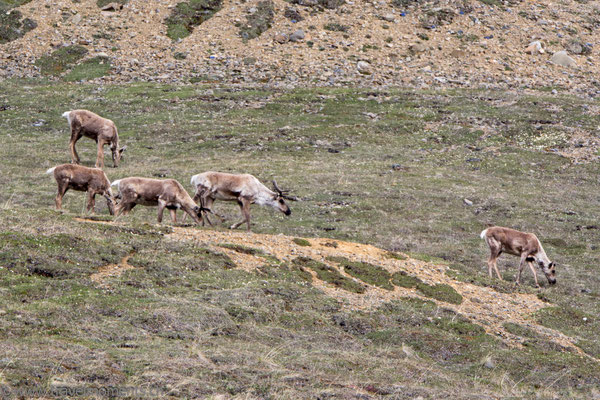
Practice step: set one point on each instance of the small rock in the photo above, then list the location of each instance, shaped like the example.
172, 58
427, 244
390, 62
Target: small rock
389, 17
468, 202
293, 14
408, 351
534, 48
102, 54
417, 47
112, 7
281, 38
575, 48
76, 19
562, 58
488, 362
458, 53
364, 68
297, 36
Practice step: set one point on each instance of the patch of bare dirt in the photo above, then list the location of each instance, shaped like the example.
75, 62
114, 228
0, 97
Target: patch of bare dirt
110, 270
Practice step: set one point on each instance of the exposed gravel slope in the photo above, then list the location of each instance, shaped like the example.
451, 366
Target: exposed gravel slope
448, 43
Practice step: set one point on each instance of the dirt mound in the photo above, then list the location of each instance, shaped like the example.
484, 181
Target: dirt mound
484, 305
421, 43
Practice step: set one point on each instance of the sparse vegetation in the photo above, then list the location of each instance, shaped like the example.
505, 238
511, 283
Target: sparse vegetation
12, 23
329, 274
368, 273
405, 280
336, 27
91, 68
440, 292
201, 326
102, 3
188, 14
60, 60
259, 21
301, 242
242, 249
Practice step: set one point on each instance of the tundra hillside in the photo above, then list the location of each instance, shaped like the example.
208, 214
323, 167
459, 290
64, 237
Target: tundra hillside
294, 43
418, 173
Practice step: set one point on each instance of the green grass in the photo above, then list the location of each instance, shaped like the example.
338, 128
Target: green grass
441, 292
405, 280
95, 67
368, 273
196, 325
395, 256
242, 249
188, 14
59, 61
328, 274
301, 242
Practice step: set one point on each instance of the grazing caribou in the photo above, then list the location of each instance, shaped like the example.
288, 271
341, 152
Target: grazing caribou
164, 193
244, 189
525, 245
102, 130
84, 179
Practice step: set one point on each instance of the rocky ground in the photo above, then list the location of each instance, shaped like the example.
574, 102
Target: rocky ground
380, 43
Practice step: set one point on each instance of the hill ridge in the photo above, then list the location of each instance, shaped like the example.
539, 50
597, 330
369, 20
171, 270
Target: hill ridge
419, 44
483, 305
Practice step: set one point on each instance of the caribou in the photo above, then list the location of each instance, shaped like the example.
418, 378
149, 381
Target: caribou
83, 179
102, 130
244, 189
521, 244
164, 193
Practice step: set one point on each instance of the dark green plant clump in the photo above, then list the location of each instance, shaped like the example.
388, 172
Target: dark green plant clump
259, 21
301, 242
242, 249
188, 15
440, 292
60, 60
12, 23
329, 274
336, 27
329, 4
96, 67
102, 3
402, 279
369, 273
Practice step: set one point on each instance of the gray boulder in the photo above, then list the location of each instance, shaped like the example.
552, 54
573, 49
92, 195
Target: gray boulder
297, 36
562, 58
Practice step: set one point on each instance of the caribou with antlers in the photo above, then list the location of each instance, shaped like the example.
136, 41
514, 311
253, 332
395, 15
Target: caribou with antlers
244, 189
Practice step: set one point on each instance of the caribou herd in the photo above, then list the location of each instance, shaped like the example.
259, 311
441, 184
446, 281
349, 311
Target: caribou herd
209, 186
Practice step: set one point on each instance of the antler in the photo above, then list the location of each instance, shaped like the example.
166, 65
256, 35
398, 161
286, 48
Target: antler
283, 193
